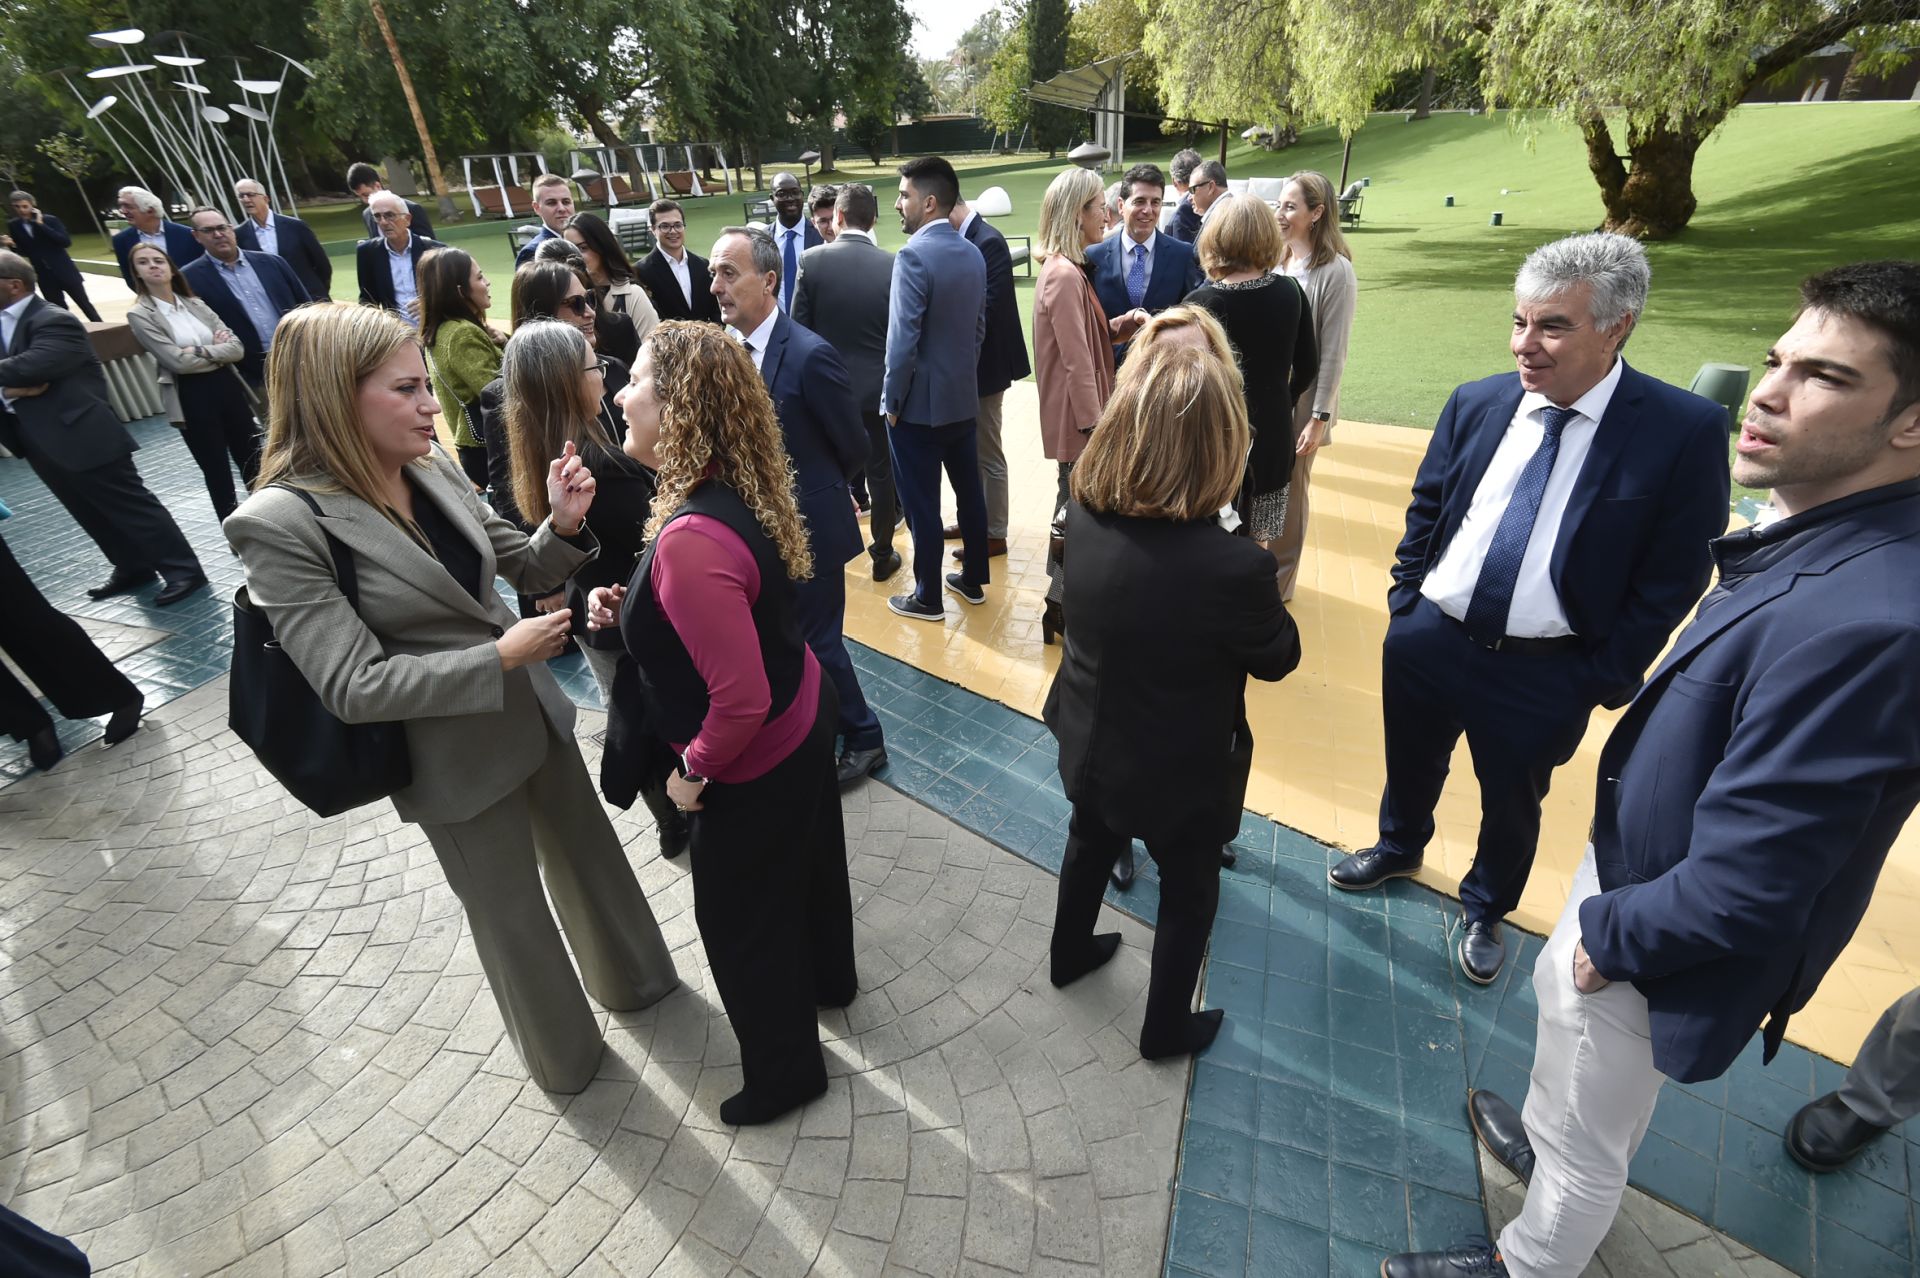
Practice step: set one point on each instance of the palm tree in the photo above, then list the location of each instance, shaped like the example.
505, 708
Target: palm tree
434, 175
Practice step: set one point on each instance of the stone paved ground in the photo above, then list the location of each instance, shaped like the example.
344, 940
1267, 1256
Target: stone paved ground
238, 1039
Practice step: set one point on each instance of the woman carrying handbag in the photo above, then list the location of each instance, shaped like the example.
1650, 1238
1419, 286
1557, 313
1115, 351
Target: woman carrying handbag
498, 784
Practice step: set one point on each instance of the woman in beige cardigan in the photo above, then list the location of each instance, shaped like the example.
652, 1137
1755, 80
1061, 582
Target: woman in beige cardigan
203, 392
1317, 255
1072, 345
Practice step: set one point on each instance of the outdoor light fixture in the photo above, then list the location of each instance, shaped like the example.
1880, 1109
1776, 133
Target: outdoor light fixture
1089, 155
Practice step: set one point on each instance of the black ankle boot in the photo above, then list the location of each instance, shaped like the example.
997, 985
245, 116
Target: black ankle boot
676, 832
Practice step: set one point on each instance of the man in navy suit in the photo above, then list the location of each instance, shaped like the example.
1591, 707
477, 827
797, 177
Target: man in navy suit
1749, 795
678, 281
793, 233
1003, 361
248, 291
1140, 268
388, 265
264, 231
1557, 535
147, 224
820, 421
42, 239
553, 201
930, 391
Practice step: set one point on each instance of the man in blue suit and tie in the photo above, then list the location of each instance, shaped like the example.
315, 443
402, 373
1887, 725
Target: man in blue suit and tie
147, 224
1558, 534
288, 238
930, 392
42, 239
793, 233
1141, 268
820, 421
1749, 795
248, 291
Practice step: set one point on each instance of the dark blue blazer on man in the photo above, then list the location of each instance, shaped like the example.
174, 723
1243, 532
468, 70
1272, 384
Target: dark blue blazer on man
825, 435
1748, 797
300, 247
283, 290
1632, 556
181, 247
1176, 273
1003, 352
45, 246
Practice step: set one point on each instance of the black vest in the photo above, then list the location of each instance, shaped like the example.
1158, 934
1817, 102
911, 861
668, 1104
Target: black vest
676, 695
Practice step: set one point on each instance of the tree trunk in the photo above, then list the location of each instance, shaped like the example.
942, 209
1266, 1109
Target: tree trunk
91, 211
1853, 82
1423, 105
1653, 199
434, 175
592, 113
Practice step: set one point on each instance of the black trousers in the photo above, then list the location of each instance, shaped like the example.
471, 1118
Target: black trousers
875, 486
219, 425
1523, 715
55, 653
56, 292
114, 506
1189, 894
473, 460
775, 911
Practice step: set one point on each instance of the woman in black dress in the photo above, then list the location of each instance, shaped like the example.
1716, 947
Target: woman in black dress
1266, 319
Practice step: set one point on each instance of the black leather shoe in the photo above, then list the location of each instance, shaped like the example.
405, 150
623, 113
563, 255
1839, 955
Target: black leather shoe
122, 583
124, 723
1481, 951
1825, 1135
1474, 1258
855, 764
44, 749
174, 591
883, 569
1499, 1128
1368, 868
1228, 857
676, 835
1122, 872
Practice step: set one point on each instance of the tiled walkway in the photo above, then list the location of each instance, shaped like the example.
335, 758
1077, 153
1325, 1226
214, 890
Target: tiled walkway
233, 1034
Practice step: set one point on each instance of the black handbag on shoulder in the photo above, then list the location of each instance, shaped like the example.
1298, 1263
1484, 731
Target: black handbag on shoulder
326, 763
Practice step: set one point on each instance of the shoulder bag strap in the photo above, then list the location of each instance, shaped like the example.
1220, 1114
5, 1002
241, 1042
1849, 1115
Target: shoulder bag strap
343, 570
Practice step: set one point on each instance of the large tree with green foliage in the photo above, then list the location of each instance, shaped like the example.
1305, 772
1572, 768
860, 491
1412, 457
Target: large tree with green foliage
1047, 24
841, 56
1003, 92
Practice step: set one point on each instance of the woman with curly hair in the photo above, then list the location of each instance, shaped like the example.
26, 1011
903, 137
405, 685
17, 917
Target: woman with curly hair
710, 621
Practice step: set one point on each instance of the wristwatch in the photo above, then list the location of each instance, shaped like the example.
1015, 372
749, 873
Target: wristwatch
1319, 416
686, 771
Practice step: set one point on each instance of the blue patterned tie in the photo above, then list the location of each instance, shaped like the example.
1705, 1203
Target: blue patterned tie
1137, 276
789, 268
1493, 594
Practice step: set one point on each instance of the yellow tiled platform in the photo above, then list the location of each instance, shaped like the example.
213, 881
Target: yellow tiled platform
1318, 765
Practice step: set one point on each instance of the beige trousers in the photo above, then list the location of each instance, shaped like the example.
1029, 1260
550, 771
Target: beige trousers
1293, 532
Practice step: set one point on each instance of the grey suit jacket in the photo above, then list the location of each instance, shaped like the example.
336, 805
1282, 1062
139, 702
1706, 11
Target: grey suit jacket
72, 423
155, 334
421, 649
842, 295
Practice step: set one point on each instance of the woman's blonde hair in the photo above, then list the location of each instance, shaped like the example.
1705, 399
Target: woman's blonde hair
1060, 208
1172, 443
1195, 323
1328, 241
1240, 235
717, 422
544, 371
321, 355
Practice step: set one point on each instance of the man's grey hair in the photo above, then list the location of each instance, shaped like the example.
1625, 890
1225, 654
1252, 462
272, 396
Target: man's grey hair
144, 199
15, 267
1209, 171
1183, 166
386, 199
766, 254
1614, 268
19, 195
1113, 199
245, 182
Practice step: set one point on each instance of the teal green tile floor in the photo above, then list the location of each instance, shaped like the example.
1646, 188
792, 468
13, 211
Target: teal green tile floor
1326, 1127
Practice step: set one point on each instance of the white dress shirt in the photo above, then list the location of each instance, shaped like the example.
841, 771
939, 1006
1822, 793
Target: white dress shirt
1536, 612
188, 329
9, 321
406, 287
268, 235
1125, 244
683, 272
158, 239
757, 340
859, 234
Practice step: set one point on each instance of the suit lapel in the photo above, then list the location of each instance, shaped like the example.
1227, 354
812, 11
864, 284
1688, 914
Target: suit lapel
31, 309
1495, 417
1165, 273
376, 539
1611, 439
776, 351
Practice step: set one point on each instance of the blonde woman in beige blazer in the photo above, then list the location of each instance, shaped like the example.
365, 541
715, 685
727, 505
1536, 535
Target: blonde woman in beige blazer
1316, 255
203, 391
498, 784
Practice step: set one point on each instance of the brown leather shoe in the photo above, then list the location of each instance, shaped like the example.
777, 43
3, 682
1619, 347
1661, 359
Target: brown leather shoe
951, 532
996, 546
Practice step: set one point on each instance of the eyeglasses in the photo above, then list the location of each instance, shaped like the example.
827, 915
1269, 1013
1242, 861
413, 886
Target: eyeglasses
387, 216
222, 229
599, 366
1194, 186
578, 304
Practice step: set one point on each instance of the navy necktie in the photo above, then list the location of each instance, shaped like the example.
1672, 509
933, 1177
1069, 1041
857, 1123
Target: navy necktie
789, 269
1493, 594
1137, 276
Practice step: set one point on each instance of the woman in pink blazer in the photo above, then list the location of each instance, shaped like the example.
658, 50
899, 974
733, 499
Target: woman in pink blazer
1072, 345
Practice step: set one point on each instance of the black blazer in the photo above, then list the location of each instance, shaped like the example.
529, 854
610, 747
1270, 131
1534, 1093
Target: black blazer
1166, 622
1632, 557
420, 226
657, 278
72, 423
45, 248
301, 249
376, 281
1003, 355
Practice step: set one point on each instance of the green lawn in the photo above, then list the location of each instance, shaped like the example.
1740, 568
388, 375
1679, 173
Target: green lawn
1784, 191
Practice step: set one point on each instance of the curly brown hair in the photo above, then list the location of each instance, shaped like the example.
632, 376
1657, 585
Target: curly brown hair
717, 422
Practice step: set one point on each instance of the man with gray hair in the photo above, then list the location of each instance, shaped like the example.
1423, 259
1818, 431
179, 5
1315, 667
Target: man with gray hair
1206, 188
262, 230
1558, 533
147, 224
1182, 221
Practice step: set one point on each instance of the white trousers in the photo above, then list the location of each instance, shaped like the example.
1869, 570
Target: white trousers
1591, 1096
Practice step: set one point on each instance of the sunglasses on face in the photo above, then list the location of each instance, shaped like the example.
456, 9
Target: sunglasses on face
578, 304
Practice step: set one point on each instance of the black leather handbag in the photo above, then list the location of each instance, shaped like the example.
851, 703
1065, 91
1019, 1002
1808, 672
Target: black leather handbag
326, 763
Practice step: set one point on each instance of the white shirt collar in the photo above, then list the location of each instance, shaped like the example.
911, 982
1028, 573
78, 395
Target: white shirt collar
671, 259
858, 235
266, 225
1146, 244
1592, 405
760, 336
967, 222
403, 251
19, 306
